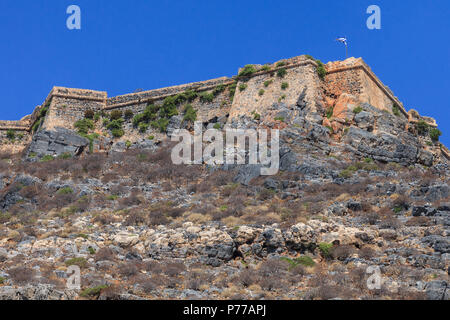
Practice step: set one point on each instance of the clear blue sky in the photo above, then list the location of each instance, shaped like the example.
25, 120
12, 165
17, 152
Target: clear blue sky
125, 45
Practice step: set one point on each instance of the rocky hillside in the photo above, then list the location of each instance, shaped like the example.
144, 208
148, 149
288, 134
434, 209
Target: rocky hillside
367, 190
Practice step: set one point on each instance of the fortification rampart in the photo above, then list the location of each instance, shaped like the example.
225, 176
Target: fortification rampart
355, 77
283, 82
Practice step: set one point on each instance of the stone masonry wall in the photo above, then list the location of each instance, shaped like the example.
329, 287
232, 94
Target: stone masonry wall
68, 105
301, 77
353, 76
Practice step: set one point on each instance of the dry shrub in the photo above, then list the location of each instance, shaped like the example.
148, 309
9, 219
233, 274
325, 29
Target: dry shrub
157, 218
135, 218
390, 223
221, 178
419, 222
153, 267
111, 293
31, 192
342, 252
173, 269
104, 218
366, 253
134, 199
246, 277
195, 279
128, 269
149, 285
21, 275
104, 254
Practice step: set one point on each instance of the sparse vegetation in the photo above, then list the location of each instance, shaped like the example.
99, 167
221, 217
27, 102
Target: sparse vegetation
435, 133
284, 86
396, 109
321, 71
247, 71
11, 134
207, 97
242, 87
190, 115
357, 110
281, 73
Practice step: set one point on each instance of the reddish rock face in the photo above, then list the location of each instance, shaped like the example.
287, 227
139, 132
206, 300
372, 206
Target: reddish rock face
345, 103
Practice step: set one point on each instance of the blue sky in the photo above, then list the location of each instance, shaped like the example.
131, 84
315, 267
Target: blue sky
125, 45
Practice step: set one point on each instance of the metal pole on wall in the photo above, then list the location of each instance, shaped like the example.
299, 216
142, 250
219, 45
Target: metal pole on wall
344, 41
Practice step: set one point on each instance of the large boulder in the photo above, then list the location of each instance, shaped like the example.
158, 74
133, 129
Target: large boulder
56, 142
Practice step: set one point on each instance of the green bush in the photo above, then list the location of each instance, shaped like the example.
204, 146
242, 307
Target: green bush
169, 108
117, 133
284, 85
160, 124
47, 158
357, 110
115, 115
128, 114
217, 126
65, 190
151, 137
219, 89
330, 112
261, 92
93, 292
179, 98
305, 261
267, 83
256, 116
43, 112
36, 125
281, 72
422, 127
242, 87
81, 262
206, 97
11, 134
89, 114
115, 124
396, 109
265, 67
84, 125
325, 249
247, 71
435, 133
65, 156
143, 127
279, 119
190, 95
190, 115
321, 71
232, 90
280, 64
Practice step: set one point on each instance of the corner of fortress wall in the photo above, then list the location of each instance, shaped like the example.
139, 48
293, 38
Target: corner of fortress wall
351, 76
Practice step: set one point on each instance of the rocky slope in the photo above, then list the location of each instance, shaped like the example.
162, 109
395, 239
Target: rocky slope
372, 193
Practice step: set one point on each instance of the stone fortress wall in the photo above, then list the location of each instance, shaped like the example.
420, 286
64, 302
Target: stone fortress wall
352, 76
